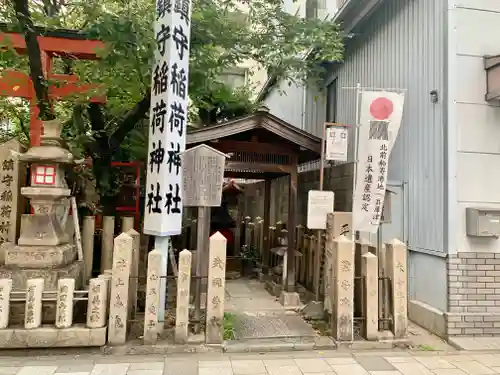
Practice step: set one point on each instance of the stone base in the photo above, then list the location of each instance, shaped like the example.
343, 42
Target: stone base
41, 230
273, 288
40, 256
428, 317
290, 300
50, 275
50, 337
314, 310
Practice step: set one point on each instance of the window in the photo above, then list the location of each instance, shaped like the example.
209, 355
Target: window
45, 175
236, 77
331, 101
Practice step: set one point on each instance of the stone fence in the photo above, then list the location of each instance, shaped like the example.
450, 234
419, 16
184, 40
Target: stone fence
63, 333
372, 291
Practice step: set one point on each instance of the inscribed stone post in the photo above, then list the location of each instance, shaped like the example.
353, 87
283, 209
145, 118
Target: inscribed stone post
108, 234
64, 307
216, 289
329, 253
369, 271
397, 273
5, 289
361, 247
343, 290
183, 288
118, 312
88, 244
97, 303
151, 323
134, 271
33, 309
127, 223
12, 178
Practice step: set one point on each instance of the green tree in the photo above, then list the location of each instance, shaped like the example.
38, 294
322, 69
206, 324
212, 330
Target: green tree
221, 37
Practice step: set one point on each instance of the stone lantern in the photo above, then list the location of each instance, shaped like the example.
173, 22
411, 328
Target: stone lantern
42, 250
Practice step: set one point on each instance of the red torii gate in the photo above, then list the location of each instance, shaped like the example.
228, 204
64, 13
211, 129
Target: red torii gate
57, 43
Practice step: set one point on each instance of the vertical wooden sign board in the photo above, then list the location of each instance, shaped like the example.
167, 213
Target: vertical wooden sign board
202, 179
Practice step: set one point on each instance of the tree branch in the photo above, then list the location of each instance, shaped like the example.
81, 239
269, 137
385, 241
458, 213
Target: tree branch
35, 59
128, 122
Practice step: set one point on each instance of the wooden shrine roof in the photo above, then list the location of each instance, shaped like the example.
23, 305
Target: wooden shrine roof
260, 129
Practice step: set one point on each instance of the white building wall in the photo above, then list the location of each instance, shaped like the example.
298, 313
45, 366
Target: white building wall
474, 29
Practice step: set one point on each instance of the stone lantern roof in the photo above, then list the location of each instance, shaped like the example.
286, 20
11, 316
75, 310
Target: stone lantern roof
52, 148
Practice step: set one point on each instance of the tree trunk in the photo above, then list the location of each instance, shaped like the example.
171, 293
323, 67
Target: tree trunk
35, 59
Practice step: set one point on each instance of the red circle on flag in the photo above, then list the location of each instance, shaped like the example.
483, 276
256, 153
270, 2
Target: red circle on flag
381, 108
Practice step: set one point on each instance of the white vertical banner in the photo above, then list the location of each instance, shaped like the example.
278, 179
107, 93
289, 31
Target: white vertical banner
168, 118
381, 113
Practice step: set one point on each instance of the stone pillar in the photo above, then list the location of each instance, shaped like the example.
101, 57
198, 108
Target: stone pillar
216, 289
5, 289
118, 311
108, 234
33, 310
134, 271
342, 316
107, 278
152, 327
97, 303
360, 248
329, 259
398, 275
64, 308
13, 177
183, 289
369, 271
127, 223
88, 244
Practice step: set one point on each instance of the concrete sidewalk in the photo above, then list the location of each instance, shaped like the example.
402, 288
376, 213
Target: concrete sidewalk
296, 363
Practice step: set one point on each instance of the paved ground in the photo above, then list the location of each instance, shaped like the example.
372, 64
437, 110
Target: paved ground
258, 315
297, 363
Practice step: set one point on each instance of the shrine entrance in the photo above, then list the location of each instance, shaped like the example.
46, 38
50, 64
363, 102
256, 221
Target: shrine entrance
262, 147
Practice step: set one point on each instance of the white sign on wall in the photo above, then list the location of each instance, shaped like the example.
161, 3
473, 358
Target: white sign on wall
336, 143
168, 118
380, 119
319, 205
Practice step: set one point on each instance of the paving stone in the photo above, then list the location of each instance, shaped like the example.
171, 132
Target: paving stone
283, 370
349, 369
385, 373
449, 371
220, 364
400, 359
110, 369
147, 366
72, 373
474, 368
241, 367
181, 367
38, 370
412, 369
434, 363
74, 367
279, 362
313, 365
319, 373
370, 363
269, 324
145, 372
340, 361
9, 370
490, 360
215, 371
